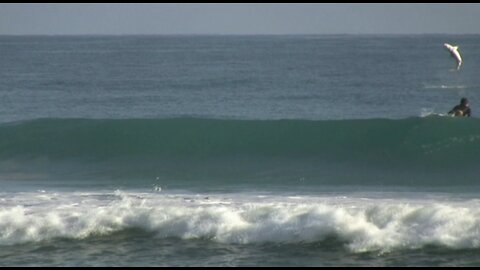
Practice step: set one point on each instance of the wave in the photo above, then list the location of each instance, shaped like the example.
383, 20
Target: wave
359, 224
103, 139
136, 147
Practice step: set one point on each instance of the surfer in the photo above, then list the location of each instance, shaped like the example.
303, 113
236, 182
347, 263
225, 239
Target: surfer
462, 109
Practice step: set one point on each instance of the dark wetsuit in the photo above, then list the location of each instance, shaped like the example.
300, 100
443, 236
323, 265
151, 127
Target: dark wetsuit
460, 110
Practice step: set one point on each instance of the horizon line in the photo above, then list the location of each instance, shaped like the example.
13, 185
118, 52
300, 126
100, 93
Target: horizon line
246, 34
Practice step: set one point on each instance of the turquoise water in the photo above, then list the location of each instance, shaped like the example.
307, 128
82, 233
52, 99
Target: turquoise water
238, 151
417, 151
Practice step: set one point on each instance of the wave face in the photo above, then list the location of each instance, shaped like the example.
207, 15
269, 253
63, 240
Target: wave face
337, 149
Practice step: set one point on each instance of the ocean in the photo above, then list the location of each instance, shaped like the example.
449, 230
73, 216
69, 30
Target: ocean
232, 150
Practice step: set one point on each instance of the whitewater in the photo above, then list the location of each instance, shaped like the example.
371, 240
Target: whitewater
362, 224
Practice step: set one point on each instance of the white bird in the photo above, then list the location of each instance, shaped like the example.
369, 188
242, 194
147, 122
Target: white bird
454, 52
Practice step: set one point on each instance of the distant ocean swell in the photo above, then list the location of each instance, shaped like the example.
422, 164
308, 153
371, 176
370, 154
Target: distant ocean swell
429, 144
360, 225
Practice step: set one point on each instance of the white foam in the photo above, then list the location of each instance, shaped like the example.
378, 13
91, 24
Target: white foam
441, 86
427, 112
363, 225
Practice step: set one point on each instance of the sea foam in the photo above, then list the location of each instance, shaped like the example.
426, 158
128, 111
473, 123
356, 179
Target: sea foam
359, 224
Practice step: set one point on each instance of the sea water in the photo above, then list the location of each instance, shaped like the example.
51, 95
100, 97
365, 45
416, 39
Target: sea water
303, 150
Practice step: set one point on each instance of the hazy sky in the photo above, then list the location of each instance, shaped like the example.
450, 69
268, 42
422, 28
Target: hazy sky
239, 18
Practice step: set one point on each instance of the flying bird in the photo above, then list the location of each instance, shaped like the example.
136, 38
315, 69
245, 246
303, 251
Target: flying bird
455, 54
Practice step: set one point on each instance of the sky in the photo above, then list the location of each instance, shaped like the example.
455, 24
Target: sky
319, 18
